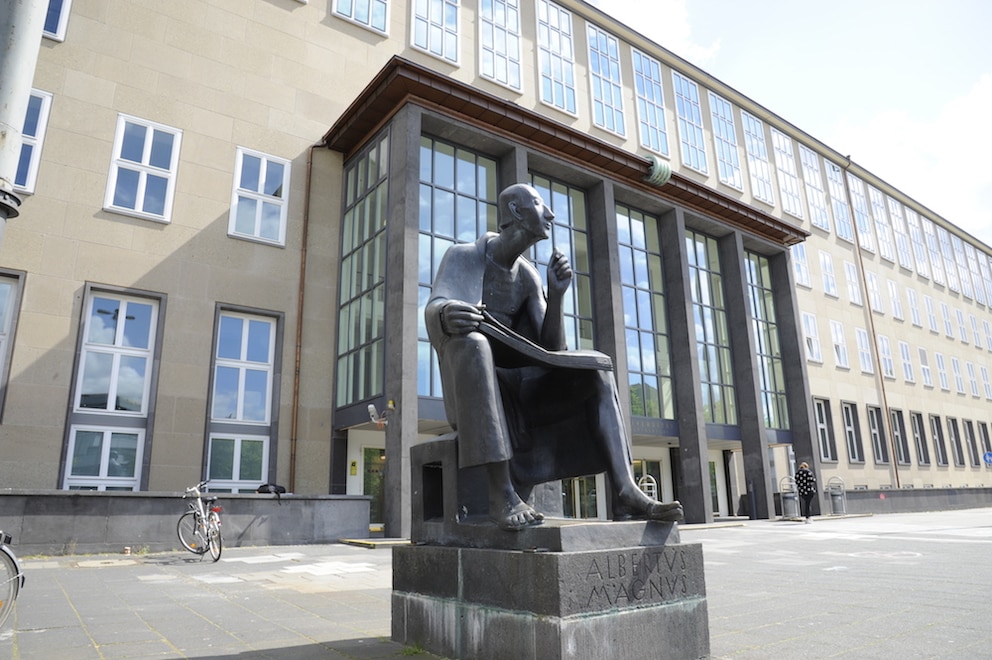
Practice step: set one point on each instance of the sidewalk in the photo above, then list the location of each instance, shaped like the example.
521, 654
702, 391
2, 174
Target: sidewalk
892, 586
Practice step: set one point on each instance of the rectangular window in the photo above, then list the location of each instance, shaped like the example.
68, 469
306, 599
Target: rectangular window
104, 459
10, 304
914, 307
942, 372
728, 160
986, 383
983, 431
56, 19
649, 365
815, 195
933, 249
874, 294
899, 438
895, 300
838, 200
771, 374
757, 158
840, 345
862, 219
853, 283
985, 268
931, 314
879, 446
827, 271
964, 274
852, 433
712, 334
864, 351
812, 337
556, 56
950, 268
32, 138
788, 175
242, 393
972, 379
976, 335
362, 301
920, 439
958, 376
824, 429
690, 121
367, 13
259, 199
458, 198
975, 272
968, 428
885, 356
884, 231
987, 329
945, 312
915, 235
955, 437
499, 42
606, 82
939, 447
435, 28
650, 102
142, 177
925, 368
801, 265
962, 328
907, 362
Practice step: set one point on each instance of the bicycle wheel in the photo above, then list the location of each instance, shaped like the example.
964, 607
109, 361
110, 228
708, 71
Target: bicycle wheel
190, 534
214, 542
10, 584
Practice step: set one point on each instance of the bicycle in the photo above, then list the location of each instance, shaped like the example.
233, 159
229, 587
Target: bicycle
11, 578
199, 528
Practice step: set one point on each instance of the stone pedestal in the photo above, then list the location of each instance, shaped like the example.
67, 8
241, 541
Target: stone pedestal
564, 589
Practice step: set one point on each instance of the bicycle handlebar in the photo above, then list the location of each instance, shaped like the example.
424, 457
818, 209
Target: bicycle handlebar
197, 489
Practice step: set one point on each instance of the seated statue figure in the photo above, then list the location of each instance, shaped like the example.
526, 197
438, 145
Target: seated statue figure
527, 421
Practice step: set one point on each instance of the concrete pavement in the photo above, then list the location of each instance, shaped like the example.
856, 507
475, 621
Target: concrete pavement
888, 586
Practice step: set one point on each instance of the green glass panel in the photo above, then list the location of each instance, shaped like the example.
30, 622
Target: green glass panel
87, 451
251, 460
221, 458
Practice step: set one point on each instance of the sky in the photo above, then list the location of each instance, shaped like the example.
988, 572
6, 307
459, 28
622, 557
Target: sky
903, 86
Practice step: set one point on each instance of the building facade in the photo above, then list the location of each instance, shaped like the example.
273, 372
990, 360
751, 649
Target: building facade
234, 210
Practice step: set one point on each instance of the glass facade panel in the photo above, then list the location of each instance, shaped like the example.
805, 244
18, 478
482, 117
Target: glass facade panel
650, 102
764, 326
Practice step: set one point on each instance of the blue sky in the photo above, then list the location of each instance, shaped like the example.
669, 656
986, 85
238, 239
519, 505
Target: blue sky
903, 86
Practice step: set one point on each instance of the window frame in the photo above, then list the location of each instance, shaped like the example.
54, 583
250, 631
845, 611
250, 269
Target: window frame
33, 143
547, 55
824, 430
489, 26
728, 159
62, 22
434, 30
852, 433
351, 17
143, 169
650, 100
759, 165
689, 118
9, 318
600, 81
102, 481
236, 484
261, 198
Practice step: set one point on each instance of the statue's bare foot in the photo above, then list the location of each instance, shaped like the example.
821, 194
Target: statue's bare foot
514, 517
633, 503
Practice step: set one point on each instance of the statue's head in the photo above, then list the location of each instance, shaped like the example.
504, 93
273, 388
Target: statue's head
522, 205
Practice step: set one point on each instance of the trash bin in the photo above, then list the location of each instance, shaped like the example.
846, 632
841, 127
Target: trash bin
790, 498
837, 495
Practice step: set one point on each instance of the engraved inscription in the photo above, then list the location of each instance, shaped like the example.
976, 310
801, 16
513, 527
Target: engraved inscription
637, 577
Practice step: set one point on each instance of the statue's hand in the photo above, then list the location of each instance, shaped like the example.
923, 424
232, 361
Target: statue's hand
559, 273
459, 318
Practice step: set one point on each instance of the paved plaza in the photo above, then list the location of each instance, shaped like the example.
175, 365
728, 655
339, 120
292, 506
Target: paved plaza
885, 586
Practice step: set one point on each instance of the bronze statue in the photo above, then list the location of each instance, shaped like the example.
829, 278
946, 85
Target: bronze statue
523, 406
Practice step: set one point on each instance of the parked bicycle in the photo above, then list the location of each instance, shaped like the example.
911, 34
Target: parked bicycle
11, 578
199, 528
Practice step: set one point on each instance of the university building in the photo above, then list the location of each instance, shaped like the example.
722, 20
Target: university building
233, 211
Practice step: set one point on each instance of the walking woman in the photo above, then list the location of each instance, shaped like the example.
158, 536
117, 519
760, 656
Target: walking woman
806, 487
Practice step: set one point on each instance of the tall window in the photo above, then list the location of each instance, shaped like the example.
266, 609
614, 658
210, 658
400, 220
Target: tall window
883, 230
757, 158
815, 195
985, 268
853, 283
958, 376
885, 356
556, 56
812, 338
964, 274
950, 268
606, 83
874, 294
933, 249
939, 447
458, 202
968, 428
962, 328
57, 19
976, 272
907, 362
648, 354
972, 378
931, 314
838, 200
112, 400
925, 368
983, 431
368, 13
712, 334
362, 302
725, 137
801, 265
914, 307
954, 434
879, 446
788, 175
862, 219
899, 437
986, 383
894, 299
435, 28
650, 102
839, 344
920, 438
945, 312
864, 351
499, 42
824, 429
258, 203
690, 120
915, 236
852, 433
143, 171
942, 372
32, 137
827, 271
10, 296
764, 323
242, 396
570, 235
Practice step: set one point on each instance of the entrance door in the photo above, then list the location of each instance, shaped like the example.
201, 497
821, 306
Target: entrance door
579, 497
372, 483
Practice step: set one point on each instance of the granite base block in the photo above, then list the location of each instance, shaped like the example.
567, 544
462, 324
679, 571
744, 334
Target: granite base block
472, 603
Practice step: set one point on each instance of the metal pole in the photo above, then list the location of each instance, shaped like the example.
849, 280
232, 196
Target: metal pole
21, 25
